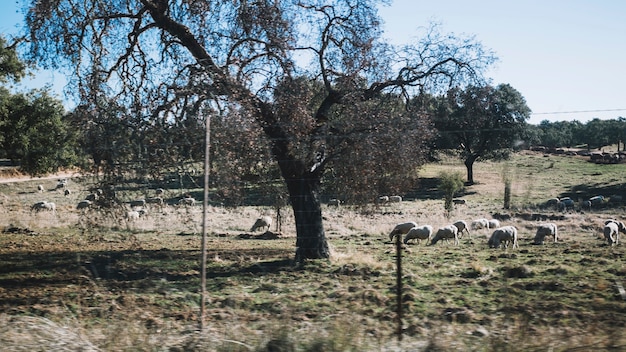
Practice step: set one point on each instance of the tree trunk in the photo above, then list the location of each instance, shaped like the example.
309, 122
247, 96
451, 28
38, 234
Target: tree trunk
469, 164
310, 236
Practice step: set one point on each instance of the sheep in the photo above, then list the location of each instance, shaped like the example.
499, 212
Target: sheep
494, 224
566, 203
159, 191
418, 233
61, 184
401, 229
549, 229
84, 204
187, 201
503, 236
135, 214
595, 200
383, 199
395, 199
446, 233
262, 222
67, 192
552, 202
40, 188
334, 202
480, 224
461, 225
43, 205
611, 230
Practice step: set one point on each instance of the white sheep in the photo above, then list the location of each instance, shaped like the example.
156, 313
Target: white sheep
262, 222
424, 232
383, 199
401, 229
461, 225
187, 201
61, 184
334, 202
40, 188
549, 229
43, 206
395, 199
611, 230
566, 203
446, 233
503, 236
159, 191
479, 224
133, 215
494, 224
84, 204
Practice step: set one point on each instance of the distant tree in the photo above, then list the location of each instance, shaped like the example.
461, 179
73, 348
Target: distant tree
36, 135
481, 122
450, 183
310, 75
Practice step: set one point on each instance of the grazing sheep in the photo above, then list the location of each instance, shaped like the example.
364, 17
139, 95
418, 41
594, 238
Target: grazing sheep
566, 203
418, 233
480, 224
494, 224
334, 202
549, 229
187, 201
401, 229
503, 236
262, 222
61, 184
383, 199
446, 233
612, 228
552, 202
133, 215
84, 204
155, 200
159, 191
43, 206
461, 225
40, 188
395, 199
67, 192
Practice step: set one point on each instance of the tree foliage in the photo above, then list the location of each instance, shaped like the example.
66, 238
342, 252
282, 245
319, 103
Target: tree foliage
481, 122
314, 77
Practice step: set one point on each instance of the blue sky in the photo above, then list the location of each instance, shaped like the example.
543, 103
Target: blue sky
563, 56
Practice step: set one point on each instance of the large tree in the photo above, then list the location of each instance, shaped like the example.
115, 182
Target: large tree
263, 59
482, 122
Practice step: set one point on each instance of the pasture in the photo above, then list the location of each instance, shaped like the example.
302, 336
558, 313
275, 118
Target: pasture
94, 281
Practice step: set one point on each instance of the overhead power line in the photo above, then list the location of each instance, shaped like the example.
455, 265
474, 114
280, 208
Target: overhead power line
576, 111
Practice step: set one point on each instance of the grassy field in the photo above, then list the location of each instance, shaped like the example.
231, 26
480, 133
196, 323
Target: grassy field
95, 281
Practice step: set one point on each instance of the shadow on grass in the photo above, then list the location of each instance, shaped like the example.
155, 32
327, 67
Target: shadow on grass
25, 276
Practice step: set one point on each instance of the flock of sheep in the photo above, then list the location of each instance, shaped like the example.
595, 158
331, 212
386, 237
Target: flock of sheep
502, 236
138, 207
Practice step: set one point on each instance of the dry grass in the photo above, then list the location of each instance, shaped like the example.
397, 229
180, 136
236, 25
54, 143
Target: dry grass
96, 282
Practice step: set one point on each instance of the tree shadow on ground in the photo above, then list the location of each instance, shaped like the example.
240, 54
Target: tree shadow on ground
428, 189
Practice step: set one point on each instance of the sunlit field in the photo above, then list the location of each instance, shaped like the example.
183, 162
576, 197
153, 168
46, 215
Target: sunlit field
74, 280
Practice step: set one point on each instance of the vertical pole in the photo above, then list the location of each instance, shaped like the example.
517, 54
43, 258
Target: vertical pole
399, 283
205, 204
